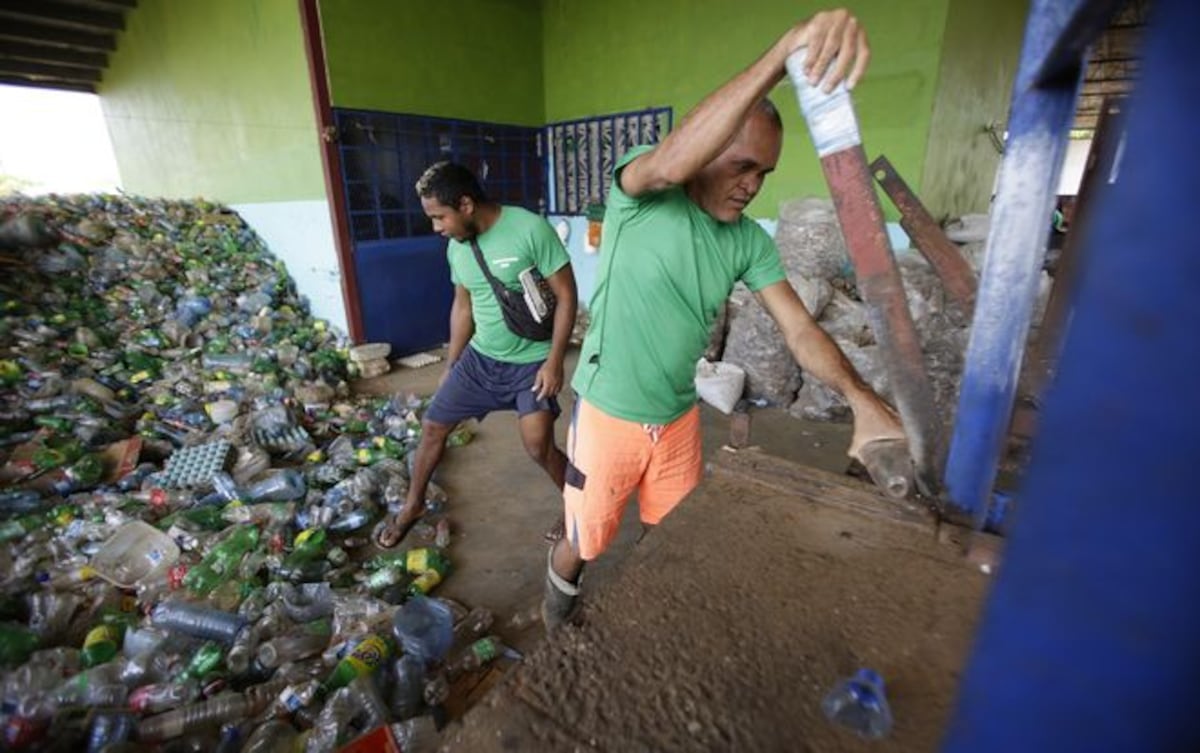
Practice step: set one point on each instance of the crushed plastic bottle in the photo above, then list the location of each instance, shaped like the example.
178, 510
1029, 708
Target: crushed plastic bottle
859, 703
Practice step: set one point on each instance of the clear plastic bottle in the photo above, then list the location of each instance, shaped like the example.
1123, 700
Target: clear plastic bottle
154, 699
424, 627
371, 712
50, 614
198, 621
859, 703
109, 728
303, 641
253, 605
890, 466
474, 626
223, 708
142, 641
417, 735
242, 651
308, 602
281, 486
408, 688
331, 723
99, 686
275, 736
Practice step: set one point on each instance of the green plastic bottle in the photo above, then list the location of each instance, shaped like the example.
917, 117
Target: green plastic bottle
369, 655
426, 559
205, 660
16, 644
424, 583
384, 578
17, 528
413, 561
221, 563
309, 545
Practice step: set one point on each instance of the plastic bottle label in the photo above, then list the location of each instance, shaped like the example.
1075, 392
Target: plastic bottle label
830, 117
485, 649
101, 634
426, 581
368, 654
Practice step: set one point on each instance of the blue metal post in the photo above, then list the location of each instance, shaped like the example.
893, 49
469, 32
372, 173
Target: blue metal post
1091, 636
1042, 111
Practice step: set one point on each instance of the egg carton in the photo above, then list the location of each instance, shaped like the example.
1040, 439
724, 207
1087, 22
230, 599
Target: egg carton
191, 467
286, 440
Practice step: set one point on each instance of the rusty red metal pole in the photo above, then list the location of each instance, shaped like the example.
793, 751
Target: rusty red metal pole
331, 165
938, 250
834, 129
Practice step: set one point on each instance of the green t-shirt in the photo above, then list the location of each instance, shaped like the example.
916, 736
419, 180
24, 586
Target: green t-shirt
666, 267
519, 240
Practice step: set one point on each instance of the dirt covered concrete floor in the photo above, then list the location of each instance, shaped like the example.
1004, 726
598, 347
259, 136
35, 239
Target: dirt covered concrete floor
723, 628
501, 503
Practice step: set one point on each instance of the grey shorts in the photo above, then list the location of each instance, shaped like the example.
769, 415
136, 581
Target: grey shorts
479, 385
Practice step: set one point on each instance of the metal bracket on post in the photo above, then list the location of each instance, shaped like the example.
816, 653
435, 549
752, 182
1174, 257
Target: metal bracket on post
938, 250
834, 128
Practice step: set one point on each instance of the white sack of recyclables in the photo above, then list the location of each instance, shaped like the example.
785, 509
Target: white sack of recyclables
719, 384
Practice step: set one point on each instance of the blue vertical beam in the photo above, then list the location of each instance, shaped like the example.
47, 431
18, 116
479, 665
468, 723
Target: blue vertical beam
1037, 139
1090, 636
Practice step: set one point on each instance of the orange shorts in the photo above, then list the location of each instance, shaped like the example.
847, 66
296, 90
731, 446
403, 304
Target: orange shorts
610, 458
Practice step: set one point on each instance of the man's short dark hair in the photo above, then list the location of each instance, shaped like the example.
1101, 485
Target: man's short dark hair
449, 182
768, 108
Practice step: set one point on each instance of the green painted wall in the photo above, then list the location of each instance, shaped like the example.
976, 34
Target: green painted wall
211, 98
471, 59
979, 62
626, 54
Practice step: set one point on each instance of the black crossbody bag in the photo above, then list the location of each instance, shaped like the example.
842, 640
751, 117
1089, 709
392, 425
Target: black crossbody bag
517, 306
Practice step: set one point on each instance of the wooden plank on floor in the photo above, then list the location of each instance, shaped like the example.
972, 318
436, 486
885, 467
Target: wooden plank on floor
821, 487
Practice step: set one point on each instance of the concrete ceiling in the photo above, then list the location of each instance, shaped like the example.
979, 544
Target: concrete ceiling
59, 44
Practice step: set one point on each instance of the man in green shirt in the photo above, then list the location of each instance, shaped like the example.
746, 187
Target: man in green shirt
674, 242
490, 367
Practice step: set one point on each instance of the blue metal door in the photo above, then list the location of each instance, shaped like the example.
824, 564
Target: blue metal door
403, 278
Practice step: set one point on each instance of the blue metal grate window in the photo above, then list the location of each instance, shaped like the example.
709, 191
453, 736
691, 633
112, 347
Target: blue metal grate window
580, 154
383, 154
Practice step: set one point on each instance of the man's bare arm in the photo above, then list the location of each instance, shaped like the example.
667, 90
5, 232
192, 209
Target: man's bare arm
820, 356
462, 324
708, 129
549, 380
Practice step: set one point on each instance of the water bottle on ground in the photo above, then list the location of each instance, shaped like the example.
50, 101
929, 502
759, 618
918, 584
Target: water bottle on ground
308, 602
281, 486
198, 621
331, 724
154, 699
109, 728
478, 654
474, 626
275, 736
408, 688
242, 650
417, 735
370, 709
425, 628
167, 726
301, 642
859, 703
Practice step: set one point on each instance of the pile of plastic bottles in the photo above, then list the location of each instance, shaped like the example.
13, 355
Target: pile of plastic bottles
188, 494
